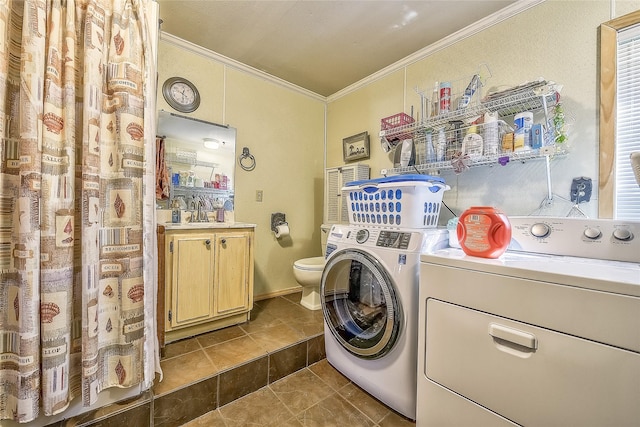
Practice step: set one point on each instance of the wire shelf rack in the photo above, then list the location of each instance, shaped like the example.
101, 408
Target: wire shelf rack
536, 96
186, 159
502, 159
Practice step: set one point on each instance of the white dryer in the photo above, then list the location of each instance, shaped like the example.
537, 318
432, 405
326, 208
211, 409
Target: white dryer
369, 294
545, 335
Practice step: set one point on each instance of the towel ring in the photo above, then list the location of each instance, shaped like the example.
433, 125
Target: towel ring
247, 155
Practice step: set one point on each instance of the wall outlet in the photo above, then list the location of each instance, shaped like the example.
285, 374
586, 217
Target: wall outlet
258, 195
581, 189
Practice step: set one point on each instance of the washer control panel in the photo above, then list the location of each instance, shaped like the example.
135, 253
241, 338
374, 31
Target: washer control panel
393, 239
617, 240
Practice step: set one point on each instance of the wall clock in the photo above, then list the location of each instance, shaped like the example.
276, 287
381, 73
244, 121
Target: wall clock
181, 94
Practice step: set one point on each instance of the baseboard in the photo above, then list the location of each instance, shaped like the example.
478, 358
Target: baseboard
278, 293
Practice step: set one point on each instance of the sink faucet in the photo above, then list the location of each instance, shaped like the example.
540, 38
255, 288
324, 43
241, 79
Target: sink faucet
202, 214
198, 214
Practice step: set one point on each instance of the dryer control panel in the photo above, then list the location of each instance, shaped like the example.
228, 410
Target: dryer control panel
616, 240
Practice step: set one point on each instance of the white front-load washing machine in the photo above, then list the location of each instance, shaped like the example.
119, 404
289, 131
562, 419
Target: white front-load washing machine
369, 296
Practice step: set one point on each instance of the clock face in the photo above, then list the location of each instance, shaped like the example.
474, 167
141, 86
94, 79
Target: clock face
181, 94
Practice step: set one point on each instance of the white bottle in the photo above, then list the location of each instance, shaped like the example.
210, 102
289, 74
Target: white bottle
491, 134
441, 146
435, 102
408, 154
430, 151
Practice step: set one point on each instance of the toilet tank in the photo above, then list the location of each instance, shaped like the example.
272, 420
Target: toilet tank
324, 234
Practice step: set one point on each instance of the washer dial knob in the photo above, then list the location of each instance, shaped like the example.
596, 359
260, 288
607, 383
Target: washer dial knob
362, 236
540, 230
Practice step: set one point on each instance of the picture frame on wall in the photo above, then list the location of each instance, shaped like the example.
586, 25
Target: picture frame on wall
356, 147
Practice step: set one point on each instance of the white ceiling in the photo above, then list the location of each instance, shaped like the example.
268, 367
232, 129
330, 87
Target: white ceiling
322, 46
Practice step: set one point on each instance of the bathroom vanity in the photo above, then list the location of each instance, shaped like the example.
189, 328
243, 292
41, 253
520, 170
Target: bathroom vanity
205, 259
205, 277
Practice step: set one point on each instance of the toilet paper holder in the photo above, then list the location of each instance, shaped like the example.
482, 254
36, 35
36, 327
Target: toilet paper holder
276, 220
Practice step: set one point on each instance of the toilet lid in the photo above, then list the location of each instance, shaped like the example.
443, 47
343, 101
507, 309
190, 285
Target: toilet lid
315, 263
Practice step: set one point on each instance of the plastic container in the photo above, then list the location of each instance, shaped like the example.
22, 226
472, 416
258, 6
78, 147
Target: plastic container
445, 97
392, 124
491, 134
472, 145
452, 228
484, 231
522, 137
408, 201
176, 216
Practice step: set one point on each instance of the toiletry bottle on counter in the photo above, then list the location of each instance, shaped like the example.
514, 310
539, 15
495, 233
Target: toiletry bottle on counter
175, 212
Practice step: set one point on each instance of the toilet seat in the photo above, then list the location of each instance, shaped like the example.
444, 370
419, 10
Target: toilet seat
310, 264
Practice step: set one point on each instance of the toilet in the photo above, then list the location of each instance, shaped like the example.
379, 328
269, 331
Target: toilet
308, 273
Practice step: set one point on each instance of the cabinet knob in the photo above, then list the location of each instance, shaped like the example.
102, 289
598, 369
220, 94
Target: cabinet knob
223, 241
207, 242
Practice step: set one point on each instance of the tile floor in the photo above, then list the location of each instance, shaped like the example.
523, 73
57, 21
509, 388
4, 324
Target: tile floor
297, 392
314, 396
276, 323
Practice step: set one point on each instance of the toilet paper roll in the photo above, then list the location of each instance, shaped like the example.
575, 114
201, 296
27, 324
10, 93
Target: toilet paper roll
282, 231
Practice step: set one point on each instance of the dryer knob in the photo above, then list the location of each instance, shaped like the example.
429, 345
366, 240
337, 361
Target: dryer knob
540, 230
622, 234
592, 233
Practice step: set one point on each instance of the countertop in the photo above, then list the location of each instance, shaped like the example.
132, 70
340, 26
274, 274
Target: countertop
205, 225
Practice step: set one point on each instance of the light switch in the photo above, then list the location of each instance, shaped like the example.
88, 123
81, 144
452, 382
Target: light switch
258, 195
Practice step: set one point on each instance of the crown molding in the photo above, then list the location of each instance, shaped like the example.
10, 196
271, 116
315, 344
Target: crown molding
478, 26
232, 63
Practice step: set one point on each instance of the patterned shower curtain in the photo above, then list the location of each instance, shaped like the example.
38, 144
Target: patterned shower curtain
75, 232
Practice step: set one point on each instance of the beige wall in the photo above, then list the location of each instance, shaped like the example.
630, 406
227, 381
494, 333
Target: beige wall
557, 40
361, 111
284, 130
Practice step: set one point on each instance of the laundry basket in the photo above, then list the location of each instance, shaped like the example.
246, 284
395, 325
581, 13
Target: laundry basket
407, 201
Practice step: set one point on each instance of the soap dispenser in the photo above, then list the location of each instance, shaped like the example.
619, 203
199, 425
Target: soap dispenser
175, 212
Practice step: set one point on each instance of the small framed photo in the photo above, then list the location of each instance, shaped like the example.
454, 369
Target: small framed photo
356, 147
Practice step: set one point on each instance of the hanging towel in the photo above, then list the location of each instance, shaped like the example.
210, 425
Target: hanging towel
162, 174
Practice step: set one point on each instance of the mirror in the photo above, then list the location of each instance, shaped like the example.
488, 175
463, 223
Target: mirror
200, 157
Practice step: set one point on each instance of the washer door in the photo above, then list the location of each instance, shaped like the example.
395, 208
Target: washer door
359, 304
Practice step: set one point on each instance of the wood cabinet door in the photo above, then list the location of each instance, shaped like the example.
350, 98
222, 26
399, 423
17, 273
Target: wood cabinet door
232, 268
192, 279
